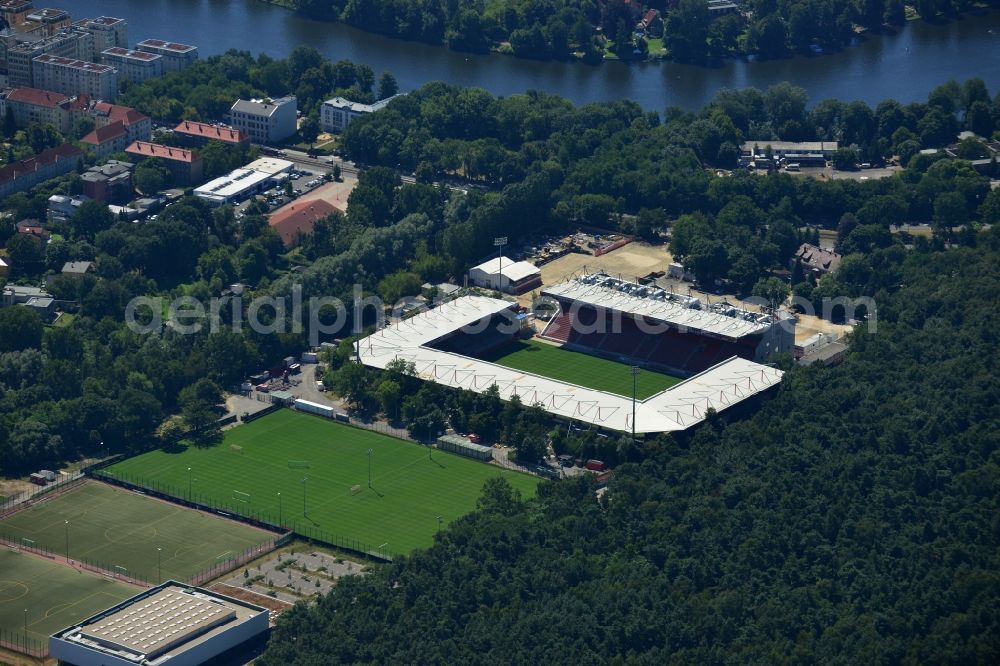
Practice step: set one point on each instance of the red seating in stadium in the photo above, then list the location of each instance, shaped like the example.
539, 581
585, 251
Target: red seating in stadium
688, 353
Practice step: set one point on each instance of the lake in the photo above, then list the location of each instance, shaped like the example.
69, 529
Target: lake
905, 65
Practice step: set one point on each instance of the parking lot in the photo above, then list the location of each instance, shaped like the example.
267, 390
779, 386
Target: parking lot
303, 180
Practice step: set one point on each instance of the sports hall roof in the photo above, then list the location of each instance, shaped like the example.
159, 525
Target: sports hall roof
600, 290
677, 408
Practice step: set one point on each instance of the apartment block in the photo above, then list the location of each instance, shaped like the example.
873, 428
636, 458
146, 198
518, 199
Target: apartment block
265, 121
175, 56
134, 66
75, 77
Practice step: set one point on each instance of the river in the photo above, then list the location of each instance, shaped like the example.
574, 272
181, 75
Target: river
905, 65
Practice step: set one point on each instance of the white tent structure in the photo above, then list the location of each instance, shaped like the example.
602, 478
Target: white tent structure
677, 408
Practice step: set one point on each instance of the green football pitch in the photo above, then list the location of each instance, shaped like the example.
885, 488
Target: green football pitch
53, 594
575, 367
112, 528
259, 467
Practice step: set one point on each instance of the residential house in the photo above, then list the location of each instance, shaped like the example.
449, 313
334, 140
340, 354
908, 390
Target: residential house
337, 113
63, 207
175, 56
33, 227
110, 182
77, 268
266, 121
185, 166
134, 66
25, 174
195, 134
815, 260
74, 77
652, 23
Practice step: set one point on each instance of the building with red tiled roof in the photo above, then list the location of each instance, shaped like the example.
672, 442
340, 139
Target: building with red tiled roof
298, 219
109, 139
185, 165
24, 174
31, 105
196, 134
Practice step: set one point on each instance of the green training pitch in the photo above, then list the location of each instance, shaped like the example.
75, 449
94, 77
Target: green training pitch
112, 527
578, 368
264, 474
55, 595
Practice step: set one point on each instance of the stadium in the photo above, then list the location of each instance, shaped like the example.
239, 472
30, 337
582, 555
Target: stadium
694, 359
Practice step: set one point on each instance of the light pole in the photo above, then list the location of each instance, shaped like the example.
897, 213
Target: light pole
440, 520
304, 479
67, 540
189, 484
370, 452
25, 622
279, 509
635, 373
499, 242
159, 569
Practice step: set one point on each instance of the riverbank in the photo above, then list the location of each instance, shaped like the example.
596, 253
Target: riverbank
650, 39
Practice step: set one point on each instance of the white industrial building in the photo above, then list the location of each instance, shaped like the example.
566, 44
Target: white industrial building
265, 121
172, 624
507, 275
244, 182
678, 408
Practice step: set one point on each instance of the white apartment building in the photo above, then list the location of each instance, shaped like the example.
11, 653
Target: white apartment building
134, 66
175, 56
265, 121
108, 32
75, 77
337, 113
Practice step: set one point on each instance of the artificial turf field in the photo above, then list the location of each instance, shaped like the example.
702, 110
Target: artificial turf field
410, 488
117, 528
55, 595
578, 368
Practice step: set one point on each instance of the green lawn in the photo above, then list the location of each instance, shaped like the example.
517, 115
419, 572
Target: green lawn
578, 368
410, 489
117, 528
55, 595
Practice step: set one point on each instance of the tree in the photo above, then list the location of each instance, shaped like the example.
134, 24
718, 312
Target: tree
20, 328
309, 130
150, 176
387, 86
773, 290
92, 217
845, 159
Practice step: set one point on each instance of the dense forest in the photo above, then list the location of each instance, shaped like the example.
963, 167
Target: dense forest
685, 30
854, 519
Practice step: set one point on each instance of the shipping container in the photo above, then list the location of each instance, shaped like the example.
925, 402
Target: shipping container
314, 408
309, 357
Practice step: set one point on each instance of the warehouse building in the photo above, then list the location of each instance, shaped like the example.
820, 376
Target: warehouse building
507, 275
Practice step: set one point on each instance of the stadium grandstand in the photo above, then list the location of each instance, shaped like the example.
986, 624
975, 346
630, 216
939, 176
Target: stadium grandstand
442, 344
649, 326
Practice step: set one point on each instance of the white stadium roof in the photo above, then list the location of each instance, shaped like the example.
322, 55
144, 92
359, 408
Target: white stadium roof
603, 291
677, 408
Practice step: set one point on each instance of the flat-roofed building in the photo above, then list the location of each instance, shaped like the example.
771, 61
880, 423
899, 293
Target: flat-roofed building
110, 182
185, 165
134, 66
244, 182
108, 31
175, 56
171, 623
75, 44
75, 77
15, 12
265, 121
197, 134
51, 20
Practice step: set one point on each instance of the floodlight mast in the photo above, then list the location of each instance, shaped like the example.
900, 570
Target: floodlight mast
635, 373
499, 242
